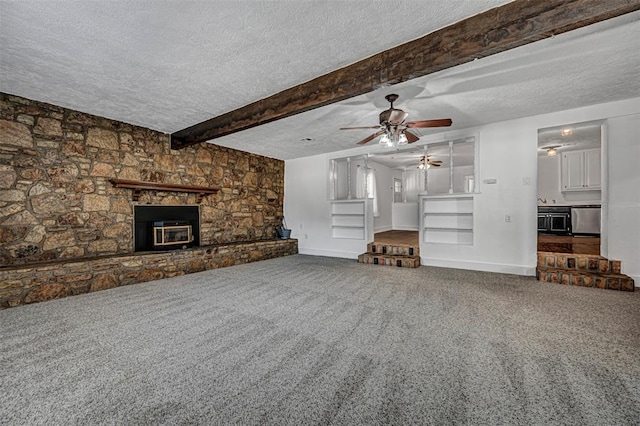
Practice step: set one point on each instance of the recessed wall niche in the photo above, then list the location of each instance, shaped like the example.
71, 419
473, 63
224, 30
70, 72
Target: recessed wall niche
166, 227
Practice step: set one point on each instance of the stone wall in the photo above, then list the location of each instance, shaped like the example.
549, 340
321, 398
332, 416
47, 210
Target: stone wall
53, 280
56, 201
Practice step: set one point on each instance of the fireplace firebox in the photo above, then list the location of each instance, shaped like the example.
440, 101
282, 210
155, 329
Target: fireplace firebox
166, 227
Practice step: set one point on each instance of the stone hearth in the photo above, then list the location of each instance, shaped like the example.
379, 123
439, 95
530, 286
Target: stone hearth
53, 280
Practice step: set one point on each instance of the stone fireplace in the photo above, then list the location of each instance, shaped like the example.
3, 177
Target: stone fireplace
166, 227
69, 224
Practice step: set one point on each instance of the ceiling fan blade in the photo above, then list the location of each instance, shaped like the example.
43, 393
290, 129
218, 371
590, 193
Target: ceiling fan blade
411, 138
370, 138
442, 122
432, 164
436, 161
355, 128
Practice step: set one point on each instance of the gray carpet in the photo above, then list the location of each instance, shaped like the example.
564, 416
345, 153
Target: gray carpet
311, 340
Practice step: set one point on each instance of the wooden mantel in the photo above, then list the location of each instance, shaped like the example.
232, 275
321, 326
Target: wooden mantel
138, 186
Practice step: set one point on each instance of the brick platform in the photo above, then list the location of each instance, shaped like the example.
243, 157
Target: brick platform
403, 256
582, 270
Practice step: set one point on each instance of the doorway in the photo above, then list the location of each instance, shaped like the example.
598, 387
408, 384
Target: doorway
570, 187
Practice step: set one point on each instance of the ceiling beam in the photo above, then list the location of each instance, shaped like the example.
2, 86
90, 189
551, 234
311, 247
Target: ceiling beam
497, 30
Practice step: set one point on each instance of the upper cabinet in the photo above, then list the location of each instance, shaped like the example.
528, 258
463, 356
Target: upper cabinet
581, 170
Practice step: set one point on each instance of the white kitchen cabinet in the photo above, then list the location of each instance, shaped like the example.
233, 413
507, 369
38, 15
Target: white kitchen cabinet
581, 170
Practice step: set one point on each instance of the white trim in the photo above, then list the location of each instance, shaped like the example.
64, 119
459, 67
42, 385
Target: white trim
383, 229
406, 228
604, 191
480, 266
330, 253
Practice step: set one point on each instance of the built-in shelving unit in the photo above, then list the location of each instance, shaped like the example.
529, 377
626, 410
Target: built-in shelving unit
447, 219
349, 219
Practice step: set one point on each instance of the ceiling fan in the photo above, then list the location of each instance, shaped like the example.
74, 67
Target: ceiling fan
426, 162
393, 128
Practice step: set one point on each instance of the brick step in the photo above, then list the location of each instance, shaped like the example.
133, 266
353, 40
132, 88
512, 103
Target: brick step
578, 262
390, 260
585, 278
393, 249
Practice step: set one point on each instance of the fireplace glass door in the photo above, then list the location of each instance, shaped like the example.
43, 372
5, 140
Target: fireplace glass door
167, 234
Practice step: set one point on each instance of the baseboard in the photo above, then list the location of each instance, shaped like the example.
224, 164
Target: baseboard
480, 266
406, 228
383, 229
330, 253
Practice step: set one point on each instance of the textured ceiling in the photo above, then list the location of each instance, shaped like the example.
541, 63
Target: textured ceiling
170, 64
583, 135
593, 65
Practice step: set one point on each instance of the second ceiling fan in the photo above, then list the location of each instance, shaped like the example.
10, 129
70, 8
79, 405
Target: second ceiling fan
393, 128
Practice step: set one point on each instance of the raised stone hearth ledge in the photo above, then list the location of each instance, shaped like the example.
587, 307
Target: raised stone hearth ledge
52, 280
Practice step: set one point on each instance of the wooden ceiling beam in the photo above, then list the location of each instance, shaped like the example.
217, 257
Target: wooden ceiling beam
497, 30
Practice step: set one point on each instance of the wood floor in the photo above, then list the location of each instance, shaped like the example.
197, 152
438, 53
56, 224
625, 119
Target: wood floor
397, 237
546, 243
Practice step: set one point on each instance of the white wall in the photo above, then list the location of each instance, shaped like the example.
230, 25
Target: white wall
406, 216
307, 209
623, 135
412, 184
549, 186
508, 153
439, 178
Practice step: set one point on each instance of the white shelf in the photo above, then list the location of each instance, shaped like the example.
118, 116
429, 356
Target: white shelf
449, 228
448, 213
348, 233
348, 207
447, 220
348, 219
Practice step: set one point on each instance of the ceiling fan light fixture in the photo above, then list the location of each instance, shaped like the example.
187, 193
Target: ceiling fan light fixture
424, 164
392, 126
551, 152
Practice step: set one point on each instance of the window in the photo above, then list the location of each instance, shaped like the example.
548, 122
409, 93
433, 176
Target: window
397, 190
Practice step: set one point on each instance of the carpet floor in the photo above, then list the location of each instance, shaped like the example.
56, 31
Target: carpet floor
312, 340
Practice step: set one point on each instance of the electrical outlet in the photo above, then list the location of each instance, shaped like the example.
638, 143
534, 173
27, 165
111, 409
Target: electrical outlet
306, 236
507, 218
300, 226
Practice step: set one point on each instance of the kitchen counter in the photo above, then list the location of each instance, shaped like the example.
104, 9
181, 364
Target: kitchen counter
575, 203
